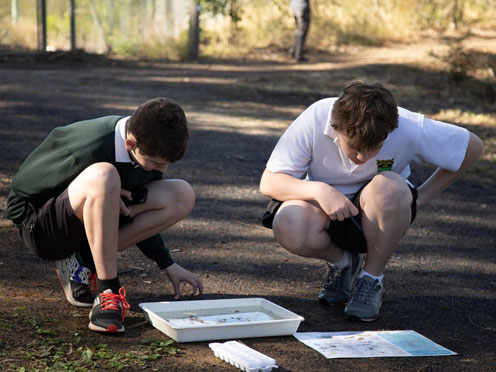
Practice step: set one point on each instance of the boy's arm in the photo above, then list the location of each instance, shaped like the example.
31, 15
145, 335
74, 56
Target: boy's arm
442, 178
155, 249
282, 187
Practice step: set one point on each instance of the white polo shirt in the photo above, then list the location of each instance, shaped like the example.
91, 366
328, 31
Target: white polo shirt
310, 149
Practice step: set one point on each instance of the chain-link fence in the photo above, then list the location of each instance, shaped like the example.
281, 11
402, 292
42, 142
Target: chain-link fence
124, 26
167, 28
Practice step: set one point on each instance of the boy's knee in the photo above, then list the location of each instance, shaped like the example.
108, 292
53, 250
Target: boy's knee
177, 193
103, 177
387, 191
288, 228
185, 195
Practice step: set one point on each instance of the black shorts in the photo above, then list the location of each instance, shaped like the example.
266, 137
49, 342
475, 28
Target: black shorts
346, 234
54, 231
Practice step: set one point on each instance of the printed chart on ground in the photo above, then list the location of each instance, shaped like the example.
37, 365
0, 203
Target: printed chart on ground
371, 344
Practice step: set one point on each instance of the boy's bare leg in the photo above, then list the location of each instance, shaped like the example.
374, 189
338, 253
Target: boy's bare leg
300, 227
385, 203
95, 197
168, 202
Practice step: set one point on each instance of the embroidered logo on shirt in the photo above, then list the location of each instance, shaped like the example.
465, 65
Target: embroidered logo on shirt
385, 165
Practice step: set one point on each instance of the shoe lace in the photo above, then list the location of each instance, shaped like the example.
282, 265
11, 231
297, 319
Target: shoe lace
112, 301
333, 278
364, 290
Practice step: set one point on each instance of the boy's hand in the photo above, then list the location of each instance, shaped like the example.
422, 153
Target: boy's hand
335, 204
123, 208
177, 275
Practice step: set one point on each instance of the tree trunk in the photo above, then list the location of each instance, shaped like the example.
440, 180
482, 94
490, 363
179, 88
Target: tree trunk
42, 25
15, 11
72, 4
194, 31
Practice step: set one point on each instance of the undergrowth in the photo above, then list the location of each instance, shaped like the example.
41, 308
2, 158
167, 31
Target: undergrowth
54, 349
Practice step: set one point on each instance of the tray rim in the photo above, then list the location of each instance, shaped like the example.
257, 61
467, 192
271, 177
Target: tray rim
295, 317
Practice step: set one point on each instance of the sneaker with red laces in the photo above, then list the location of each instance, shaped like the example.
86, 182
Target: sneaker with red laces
77, 281
109, 309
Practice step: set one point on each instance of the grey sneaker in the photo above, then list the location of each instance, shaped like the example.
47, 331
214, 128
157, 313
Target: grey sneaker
337, 284
365, 301
76, 281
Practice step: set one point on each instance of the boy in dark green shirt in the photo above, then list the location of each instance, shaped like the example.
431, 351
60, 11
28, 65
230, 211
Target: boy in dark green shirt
97, 186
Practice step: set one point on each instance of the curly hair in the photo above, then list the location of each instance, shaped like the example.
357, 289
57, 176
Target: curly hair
365, 114
160, 128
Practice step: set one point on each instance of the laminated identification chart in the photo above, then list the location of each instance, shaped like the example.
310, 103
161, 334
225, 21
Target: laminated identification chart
371, 344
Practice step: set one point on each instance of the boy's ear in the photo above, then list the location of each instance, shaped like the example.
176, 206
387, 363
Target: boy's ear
130, 144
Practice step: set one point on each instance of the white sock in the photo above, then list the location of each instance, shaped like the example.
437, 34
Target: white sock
379, 278
344, 262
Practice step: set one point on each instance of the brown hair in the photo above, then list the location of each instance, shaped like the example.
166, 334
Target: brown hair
365, 114
160, 128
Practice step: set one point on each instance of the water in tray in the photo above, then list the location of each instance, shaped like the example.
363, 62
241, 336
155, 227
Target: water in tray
216, 317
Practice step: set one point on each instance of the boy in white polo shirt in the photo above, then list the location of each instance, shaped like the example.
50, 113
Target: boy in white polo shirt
338, 178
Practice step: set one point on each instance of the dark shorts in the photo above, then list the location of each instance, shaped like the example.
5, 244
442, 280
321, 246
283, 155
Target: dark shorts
345, 234
54, 231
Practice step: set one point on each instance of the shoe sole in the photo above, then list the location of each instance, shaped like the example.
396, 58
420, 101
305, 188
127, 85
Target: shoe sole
112, 328
66, 286
324, 302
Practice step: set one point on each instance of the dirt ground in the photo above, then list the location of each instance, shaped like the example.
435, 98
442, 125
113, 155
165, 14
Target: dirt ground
441, 281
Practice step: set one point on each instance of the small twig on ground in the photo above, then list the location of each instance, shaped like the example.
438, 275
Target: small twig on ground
136, 325
130, 270
10, 360
250, 225
481, 327
422, 368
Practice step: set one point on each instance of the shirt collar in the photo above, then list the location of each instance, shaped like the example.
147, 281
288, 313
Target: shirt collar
121, 154
333, 134
329, 130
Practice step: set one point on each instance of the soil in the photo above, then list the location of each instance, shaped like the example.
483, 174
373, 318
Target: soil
440, 283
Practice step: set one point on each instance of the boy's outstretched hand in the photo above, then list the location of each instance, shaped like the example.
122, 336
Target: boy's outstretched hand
177, 274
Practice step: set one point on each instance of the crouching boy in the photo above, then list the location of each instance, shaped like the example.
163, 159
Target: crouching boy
339, 180
96, 187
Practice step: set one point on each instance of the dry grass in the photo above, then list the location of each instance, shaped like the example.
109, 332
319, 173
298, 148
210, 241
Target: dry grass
366, 22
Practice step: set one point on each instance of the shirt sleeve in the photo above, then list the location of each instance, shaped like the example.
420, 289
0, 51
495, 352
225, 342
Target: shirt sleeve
293, 152
155, 249
441, 144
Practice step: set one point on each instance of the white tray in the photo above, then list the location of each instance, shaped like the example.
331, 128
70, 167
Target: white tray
206, 320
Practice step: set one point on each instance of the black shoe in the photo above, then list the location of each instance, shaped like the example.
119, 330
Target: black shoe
76, 281
108, 312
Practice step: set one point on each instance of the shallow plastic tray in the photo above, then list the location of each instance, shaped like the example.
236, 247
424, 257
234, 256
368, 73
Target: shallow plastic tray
207, 320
